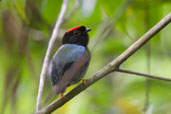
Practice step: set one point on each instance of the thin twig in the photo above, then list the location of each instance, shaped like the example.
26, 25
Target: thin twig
48, 52
108, 25
111, 67
71, 13
143, 74
148, 52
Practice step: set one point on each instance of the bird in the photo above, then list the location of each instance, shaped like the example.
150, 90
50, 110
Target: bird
71, 60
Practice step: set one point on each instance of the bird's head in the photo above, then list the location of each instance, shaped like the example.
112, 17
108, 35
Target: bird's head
77, 35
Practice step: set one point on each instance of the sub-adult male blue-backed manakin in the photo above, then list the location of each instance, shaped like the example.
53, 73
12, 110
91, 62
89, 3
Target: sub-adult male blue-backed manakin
71, 60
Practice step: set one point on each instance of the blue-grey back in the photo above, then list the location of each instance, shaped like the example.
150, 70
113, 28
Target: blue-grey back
68, 53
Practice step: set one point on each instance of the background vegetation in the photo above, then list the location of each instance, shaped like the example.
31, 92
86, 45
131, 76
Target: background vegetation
25, 29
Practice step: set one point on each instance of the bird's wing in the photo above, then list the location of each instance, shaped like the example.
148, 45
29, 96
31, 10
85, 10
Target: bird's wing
64, 59
73, 74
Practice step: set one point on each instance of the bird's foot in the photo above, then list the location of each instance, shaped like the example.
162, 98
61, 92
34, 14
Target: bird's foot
62, 95
84, 81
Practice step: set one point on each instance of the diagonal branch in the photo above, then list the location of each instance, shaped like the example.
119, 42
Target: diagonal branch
111, 67
48, 52
142, 74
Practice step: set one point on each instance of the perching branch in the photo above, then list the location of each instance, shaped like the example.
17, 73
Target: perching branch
48, 52
142, 74
111, 67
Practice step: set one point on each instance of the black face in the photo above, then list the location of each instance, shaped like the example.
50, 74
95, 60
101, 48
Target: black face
77, 35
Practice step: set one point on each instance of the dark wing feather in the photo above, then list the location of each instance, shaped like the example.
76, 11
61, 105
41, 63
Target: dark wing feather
55, 75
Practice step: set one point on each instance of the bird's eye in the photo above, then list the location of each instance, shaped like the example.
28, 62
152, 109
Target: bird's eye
75, 32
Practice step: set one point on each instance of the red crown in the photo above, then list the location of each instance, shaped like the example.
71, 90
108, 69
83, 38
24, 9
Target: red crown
71, 29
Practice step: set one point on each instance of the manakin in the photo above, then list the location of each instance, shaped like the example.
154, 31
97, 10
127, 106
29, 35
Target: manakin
71, 60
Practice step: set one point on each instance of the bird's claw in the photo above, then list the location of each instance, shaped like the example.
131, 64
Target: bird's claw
62, 95
84, 81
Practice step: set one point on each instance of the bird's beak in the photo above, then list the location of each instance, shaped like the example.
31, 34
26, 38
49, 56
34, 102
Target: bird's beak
88, 29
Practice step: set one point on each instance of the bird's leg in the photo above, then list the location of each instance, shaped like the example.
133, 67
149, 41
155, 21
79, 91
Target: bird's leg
84, 81
62, 95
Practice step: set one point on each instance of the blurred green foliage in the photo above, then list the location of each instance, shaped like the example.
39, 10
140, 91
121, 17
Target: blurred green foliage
25, 29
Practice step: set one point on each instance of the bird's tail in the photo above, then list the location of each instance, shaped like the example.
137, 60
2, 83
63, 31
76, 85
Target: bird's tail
59, 88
